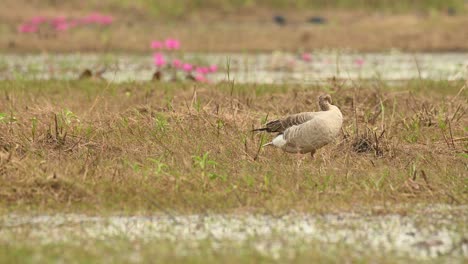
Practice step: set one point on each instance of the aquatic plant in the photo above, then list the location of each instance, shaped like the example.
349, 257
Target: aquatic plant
192, 72
359, 62
307, 57
159, 60
156, 44
63, 23
173, 44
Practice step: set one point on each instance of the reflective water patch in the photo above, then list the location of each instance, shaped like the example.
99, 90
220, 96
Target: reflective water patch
426, 234
245, 68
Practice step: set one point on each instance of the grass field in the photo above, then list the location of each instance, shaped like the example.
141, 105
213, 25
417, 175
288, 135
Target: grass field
95, 147
172, 149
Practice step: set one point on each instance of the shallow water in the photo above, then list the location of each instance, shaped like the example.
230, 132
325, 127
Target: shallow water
246, 68
426, 234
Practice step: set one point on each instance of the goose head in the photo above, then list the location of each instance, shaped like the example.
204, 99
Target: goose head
324, 101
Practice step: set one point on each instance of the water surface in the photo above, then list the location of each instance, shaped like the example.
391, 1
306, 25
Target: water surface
245, 68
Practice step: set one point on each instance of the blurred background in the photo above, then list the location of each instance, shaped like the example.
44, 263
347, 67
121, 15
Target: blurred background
233, 25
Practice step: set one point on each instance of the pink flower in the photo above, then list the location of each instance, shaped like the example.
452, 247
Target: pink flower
187, 67
200, 78
58, 20
156, 44
159, 59
92, 18
213, 68
172, 44
202, 70
37, 20
27, 28
359, 62
62, 26
306, 57
177, 64
105, 20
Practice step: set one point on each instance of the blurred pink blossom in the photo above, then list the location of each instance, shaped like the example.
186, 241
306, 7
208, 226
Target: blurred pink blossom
187, 67
105, 20
159, 59
306, 57
359, 62
156, 44
213, 68
62, 23
172, 44
176, 63
92, 18
97, 18
27, 28
58, 20
202, 70
37, 20
62, 26
200, 78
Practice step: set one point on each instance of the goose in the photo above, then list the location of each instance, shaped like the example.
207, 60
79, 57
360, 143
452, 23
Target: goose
308, 131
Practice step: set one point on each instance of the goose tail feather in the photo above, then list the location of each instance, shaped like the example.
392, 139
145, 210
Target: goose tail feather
259, 129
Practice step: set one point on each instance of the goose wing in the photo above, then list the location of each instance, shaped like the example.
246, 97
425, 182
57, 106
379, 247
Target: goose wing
280, 125
315, 133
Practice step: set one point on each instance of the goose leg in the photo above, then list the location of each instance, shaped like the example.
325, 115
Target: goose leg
299, 159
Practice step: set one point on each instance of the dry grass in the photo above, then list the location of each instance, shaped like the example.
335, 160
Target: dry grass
178, 146
241, 30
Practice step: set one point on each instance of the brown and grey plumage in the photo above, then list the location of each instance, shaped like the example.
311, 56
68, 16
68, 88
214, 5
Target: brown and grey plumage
280, 125
306, 132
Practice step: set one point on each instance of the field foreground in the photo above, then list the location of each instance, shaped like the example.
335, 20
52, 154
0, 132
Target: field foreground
99, 147
183, 151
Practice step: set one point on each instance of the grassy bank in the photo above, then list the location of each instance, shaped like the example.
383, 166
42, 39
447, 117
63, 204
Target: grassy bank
96, 147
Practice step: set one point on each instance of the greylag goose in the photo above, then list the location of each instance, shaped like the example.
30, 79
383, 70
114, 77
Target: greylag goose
308, 131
